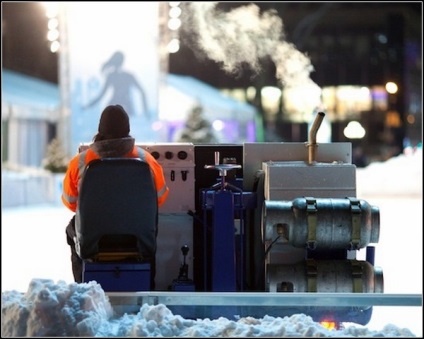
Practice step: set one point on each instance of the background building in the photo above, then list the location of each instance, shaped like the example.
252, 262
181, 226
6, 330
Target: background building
355, 50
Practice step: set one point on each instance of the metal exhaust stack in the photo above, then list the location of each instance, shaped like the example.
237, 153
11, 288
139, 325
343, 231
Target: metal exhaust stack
312, 144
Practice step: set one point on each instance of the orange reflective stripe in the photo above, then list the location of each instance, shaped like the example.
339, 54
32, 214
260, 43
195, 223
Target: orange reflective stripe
158, 177
163, 195
73, 178
141, 153
70, 185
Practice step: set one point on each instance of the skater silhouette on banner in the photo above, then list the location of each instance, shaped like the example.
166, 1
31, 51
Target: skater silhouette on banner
121, 83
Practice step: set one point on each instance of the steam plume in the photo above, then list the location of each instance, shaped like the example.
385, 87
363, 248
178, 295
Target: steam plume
243, 36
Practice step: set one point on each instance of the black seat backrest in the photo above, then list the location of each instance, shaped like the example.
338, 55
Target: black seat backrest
117, 201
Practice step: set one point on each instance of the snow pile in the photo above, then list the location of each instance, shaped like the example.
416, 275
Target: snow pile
81, 310
399, 176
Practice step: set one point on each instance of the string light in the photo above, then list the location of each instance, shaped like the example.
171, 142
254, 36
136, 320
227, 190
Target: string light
53, 35
174, 24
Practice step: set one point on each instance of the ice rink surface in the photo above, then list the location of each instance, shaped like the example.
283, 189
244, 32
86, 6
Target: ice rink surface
34, 243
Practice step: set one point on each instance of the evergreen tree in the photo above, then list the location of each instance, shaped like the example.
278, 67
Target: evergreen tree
56, 160
197, 129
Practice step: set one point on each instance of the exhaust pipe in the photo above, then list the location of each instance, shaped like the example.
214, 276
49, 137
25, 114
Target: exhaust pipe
312, 144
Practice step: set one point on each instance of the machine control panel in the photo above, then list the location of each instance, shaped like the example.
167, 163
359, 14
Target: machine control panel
177, 160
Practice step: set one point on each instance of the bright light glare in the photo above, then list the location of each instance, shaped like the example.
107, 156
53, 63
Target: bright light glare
54, 46
174, 46
53, 23
174, 24
302, 100
53, 35
251, 93
364, 92
175, 12
329, 325
52, 9
218, 125
271, 93
391, 87
354, 130
270, 99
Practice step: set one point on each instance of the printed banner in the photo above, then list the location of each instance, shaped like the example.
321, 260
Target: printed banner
111, 57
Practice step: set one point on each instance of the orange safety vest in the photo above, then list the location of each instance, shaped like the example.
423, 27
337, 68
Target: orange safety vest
75, 171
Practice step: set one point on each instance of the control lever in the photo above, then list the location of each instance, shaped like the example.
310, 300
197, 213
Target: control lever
183, 283
183, 275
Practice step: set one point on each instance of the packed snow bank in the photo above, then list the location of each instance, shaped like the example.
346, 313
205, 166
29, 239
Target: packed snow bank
400, 176
83, 310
